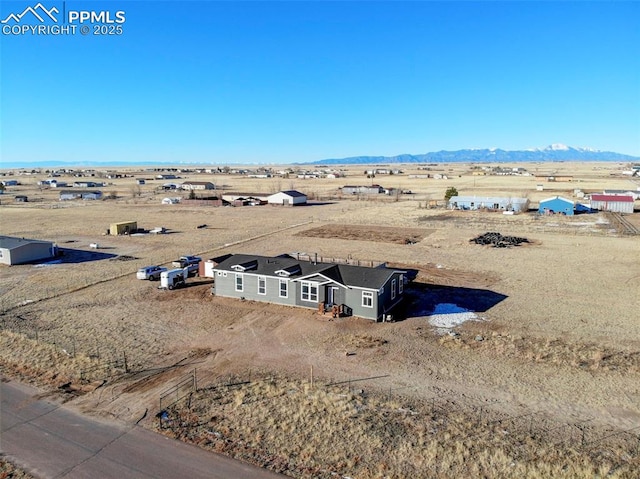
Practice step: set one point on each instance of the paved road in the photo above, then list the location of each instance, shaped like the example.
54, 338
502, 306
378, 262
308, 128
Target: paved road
52, 441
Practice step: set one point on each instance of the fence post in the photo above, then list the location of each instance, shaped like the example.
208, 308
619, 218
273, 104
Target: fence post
126, 367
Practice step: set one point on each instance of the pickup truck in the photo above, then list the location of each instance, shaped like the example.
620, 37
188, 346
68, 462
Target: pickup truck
190, 262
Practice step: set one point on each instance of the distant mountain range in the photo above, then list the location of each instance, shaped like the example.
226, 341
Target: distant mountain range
555, 152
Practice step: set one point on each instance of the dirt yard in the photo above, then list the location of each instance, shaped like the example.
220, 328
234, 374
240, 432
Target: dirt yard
547, 327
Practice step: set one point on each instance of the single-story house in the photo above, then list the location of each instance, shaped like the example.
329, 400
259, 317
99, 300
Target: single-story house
198, 185
140, 181
615, 203
9, 182
491, 203
556, 205
287, 198
21, 250
166, 177
123, 228
21, 199
370, 293
80, 195
362, 190
86, 184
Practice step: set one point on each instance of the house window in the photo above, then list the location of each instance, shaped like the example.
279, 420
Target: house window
239, 282
367, 299
284, 288
309, 291
262, 285
401, 284
393, 289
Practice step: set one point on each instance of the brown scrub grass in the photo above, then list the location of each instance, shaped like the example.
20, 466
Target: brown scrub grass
48, 365
308, 431
9, 471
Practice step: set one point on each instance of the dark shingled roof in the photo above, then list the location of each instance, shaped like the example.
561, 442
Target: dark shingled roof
347, 275
293, 193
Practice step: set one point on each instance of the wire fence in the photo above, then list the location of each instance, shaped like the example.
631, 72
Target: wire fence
524, 431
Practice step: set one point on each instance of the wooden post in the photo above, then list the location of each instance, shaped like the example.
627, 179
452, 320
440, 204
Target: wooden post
312, 376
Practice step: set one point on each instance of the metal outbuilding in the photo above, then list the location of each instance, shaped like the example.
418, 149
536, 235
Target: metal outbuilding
614, 203
287, 198
22, 250
556, 205
123, 228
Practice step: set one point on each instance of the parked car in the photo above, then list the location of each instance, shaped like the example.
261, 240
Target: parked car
152, 273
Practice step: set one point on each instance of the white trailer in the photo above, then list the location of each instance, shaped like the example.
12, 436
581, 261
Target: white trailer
173, 278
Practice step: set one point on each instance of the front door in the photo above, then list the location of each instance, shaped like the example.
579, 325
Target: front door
332, 295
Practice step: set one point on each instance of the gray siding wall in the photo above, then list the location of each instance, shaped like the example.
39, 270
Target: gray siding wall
352, 297
30, 252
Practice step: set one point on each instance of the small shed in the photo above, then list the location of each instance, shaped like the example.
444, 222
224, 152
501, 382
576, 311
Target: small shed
123, 228
614, 203
21, 199
556, 205
287, 198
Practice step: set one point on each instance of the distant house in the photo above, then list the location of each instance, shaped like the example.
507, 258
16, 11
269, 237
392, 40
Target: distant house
556, 205
490, 203
140, 181
77, 194
614, 203
86, 184
21, 250
362, 190
170, 201
9, 182
21, 199
198, 185
287, 198
370, 293
166, 177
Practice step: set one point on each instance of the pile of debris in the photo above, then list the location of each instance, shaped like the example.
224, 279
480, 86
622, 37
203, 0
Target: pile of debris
499, 241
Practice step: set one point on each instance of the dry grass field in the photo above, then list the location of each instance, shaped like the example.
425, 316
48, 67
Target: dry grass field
553, 333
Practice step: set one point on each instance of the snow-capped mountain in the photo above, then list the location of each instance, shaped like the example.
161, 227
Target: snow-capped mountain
553, 152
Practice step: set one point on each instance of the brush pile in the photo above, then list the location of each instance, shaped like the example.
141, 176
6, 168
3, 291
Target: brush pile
499, 241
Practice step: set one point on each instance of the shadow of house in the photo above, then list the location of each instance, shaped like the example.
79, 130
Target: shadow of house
74, 256
423, 299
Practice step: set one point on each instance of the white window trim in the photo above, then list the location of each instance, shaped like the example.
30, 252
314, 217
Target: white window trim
311, 296
401, 284
286, 288
393, 289
241, 277
369, 295
262, 279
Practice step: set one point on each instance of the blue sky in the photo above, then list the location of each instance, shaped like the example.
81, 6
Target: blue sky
280, 82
